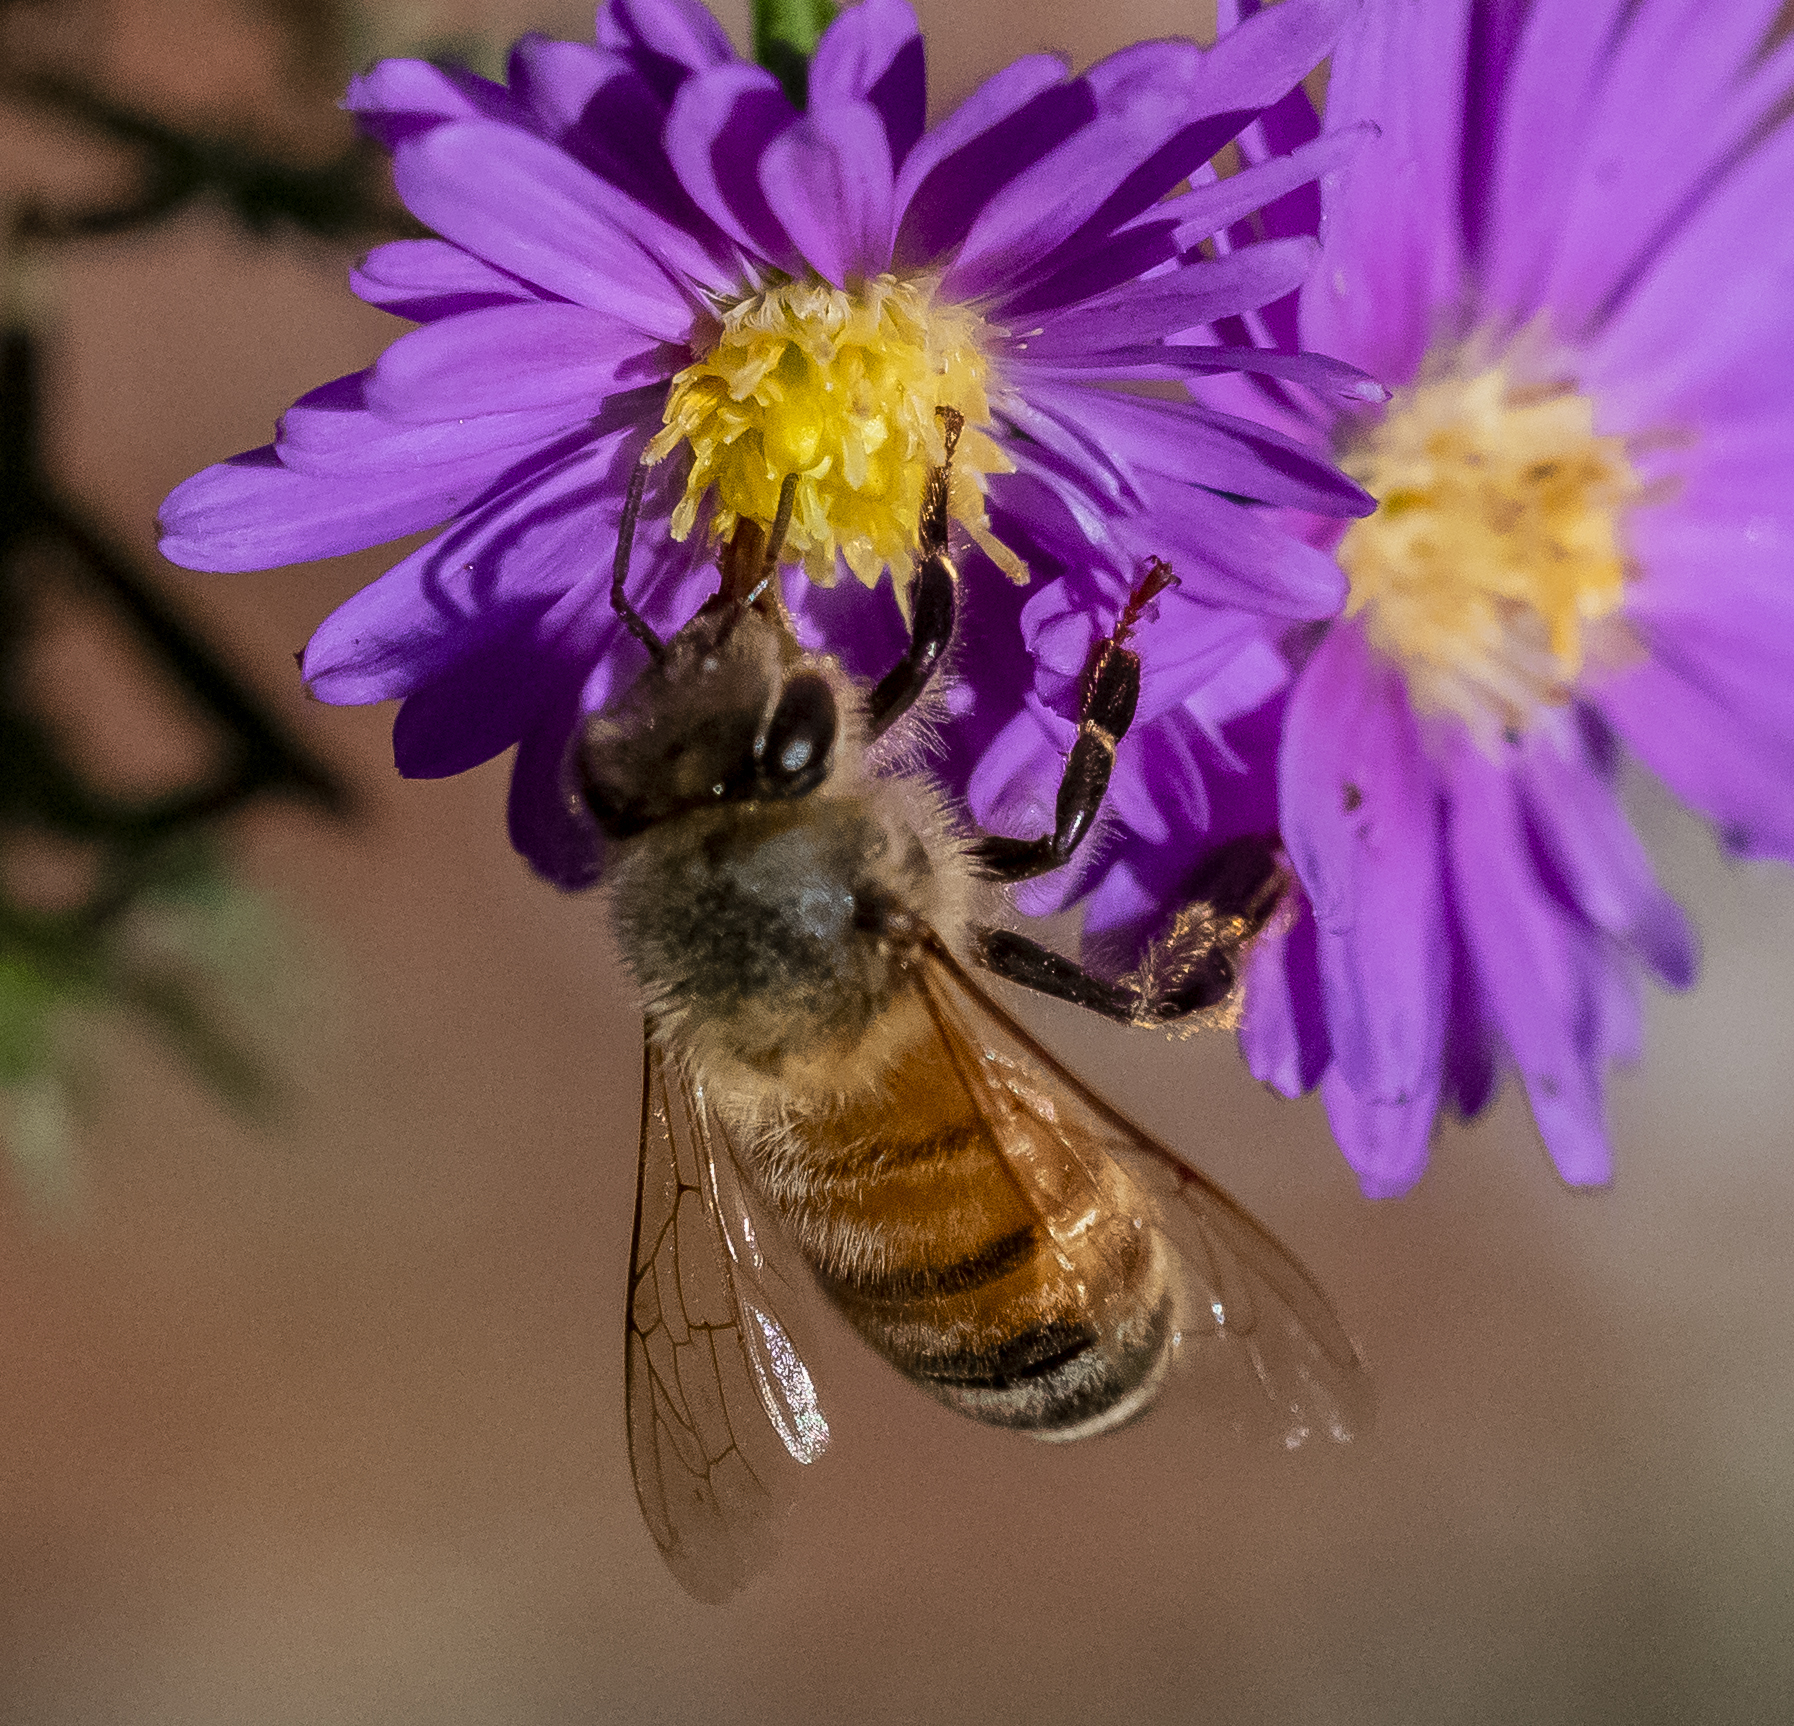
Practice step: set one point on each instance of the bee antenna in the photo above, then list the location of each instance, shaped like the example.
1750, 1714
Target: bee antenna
633, 621
781, 525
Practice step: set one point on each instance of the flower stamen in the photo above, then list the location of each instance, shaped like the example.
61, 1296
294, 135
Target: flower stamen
1495, 550
841, 389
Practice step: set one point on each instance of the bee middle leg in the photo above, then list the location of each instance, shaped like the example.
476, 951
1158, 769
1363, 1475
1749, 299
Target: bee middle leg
1193, 968
1109, 695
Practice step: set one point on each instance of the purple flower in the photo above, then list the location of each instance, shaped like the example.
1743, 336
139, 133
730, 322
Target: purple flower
648, 257
1568, 251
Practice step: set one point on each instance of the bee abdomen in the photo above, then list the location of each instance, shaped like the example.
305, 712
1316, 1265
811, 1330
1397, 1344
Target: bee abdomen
914, 1224
1059, 1380
997, 1323
906, 1284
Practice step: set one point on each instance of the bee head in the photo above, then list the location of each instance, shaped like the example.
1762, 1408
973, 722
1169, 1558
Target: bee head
733, 712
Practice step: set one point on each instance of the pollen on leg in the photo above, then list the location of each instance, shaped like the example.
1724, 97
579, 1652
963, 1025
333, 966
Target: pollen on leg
843, 389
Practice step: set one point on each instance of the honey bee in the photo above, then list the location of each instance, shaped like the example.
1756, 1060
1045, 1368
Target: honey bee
800, 908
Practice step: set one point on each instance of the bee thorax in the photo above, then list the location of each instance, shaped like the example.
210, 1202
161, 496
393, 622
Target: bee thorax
771, 941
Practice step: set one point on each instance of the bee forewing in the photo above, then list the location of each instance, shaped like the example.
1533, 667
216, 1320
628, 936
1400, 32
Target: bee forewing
1251, 1317
786, 1391
720, 1405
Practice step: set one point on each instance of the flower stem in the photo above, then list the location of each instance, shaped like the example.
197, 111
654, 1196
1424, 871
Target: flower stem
785, 36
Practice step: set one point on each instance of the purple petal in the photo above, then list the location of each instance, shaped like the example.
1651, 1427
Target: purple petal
1475, 1055
330, 430
1244, 684
1141, 98
863, 629
1270, 52
396, 99
1693, 741
548, 820
873, 53
828, 180
1008, 122
1691, 70
1392, 254
1011, 790
1654, 364
1139, 251
1547, 108
1360, 820
1291, 123
1181, 359
1227, 554
1206, 210
1537, 971
1120, 905
476, 708
667, 39
1164, 109
1189, 442
1284, 1032
1385, 1141
1184, 646
720, 126
497, 693
510, 358
506, 561
1490, 51
252, 513
1742, 656
528, 207
554, 81
1198, 293
427, 279
1575, 818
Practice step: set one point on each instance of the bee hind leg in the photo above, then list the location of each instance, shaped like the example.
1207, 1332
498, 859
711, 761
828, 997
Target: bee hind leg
1191, 973
1017, 959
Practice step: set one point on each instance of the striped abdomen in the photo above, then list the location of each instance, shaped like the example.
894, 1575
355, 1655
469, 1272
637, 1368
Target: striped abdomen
913, 1224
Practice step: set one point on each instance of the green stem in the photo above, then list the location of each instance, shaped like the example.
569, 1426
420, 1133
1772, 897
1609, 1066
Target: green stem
785, 36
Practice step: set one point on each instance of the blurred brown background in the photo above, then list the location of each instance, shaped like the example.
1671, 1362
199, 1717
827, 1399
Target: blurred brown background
322, 1424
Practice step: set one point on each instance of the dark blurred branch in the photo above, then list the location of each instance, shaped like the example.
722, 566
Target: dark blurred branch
266, 755
336, 199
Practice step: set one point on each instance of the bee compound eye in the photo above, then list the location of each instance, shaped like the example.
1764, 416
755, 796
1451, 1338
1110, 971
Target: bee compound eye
795, 753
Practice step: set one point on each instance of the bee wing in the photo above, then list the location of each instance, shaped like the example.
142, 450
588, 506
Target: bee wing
1252, 1308
719, 1402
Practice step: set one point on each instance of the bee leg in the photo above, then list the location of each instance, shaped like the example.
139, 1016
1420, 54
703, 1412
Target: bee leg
1193, 968
932, 605
1016, 959
932, 599
1111, 691
633, 621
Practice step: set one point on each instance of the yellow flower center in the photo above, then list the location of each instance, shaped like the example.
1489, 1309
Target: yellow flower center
839, 388
1495, 547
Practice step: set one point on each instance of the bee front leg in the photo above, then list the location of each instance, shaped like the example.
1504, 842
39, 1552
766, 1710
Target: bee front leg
1192, 970
932, 604
933, 599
